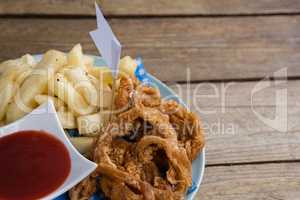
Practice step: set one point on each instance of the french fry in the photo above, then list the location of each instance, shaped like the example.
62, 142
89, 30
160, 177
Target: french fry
75, 56
91, 124
7, 90
26, 61
104, 96
103, 74
94, 80
22, 76
41, 99
8, 64
66, 118
13, 73
36, 83
127, 65
52, 59
64, 90
11, 70
16, 111
81, 82
83, 144
17, 69
88, 61
29, 60
104, 93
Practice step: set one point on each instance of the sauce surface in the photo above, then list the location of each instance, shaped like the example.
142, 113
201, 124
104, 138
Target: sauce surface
32, 165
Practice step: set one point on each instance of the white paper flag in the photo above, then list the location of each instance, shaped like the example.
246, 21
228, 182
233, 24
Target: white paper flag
106, 42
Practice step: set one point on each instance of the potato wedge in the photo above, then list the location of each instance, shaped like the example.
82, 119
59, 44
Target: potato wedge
81, 82
22, 76
41, 99
91, 124
104, 93
16, 111
7, 91
88, 61
127, 66
65, 91
67, 119
103, 74
75, 56
26, 61
36, 83
83, 144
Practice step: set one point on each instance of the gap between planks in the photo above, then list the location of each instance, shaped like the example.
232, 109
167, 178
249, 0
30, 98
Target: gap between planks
142, 7
252, 163
142, 17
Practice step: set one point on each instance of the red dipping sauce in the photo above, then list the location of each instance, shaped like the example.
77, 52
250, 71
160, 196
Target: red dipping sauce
32, 165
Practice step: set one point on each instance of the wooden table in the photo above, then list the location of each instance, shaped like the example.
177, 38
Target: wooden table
228, 47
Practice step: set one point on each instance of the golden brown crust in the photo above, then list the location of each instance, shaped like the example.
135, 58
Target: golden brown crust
187, 125
146, 151
84, 190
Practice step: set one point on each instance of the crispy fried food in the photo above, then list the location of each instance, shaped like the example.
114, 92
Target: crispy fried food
147, 150
148, 96
124, 93
84, 190
187, 126
118, 190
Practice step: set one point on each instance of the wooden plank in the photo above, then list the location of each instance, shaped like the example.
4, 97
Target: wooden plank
212, 48
47, 7
237, 94
199, 7
251, 182
150, 8
234, 133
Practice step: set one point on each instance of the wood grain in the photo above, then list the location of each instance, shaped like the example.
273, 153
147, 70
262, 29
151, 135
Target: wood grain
234, 133
149, 8
251, 182
212, 48
47, 7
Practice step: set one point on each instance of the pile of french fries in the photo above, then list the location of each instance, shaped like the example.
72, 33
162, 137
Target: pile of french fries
80, 91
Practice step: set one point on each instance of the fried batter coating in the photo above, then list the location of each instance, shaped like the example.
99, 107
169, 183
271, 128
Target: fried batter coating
117, 190
146, 152
84, 190
124, 93
148, 96
187, 126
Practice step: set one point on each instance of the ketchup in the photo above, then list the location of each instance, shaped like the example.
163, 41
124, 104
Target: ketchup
32, 165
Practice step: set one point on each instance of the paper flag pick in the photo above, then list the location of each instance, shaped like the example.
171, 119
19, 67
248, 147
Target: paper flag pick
106, 42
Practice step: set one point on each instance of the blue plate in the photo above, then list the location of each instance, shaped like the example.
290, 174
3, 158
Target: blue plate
198, 164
